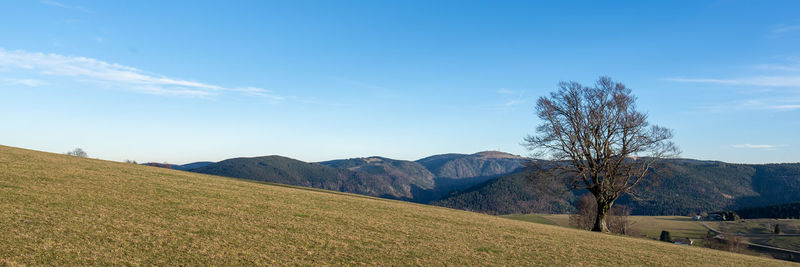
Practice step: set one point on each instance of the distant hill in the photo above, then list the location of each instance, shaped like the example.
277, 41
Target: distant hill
184, 167
192, 166
481, 164
457, 172
509, 194
406, 176
682, 186
277, 169
70, 211
376, 176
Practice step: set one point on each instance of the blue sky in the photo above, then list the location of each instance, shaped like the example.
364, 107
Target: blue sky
184, 81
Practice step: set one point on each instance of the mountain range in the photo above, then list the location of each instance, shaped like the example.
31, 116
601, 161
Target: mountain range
497, 183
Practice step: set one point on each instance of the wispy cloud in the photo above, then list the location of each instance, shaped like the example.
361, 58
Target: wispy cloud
781, 28
778, 67
514, 102
255, 91
54, 3
768, 81
761, 147
25, 82
773, 87
95, 71
511, 97
767, 104
64, 6
504, 91
783, 107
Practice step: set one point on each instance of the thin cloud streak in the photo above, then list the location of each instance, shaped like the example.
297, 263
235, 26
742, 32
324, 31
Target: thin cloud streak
25, 82
64, 6
504, 91
763, 147
784, 107
779, 105
54, 3
780, 81
779, 67
785, 28
511, 97
769, 81
91, 70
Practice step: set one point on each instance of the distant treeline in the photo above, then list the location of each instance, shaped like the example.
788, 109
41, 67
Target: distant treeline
780, 211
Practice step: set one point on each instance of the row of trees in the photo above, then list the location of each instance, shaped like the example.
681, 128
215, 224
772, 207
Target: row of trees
780, 211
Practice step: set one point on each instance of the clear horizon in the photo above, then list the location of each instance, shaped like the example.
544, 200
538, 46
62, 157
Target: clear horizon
204, 81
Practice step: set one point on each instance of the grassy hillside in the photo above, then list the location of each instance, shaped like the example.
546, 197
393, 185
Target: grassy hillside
645, 226
62, 210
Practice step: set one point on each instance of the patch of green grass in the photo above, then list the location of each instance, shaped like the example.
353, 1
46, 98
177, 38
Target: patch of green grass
678, 226
65, 210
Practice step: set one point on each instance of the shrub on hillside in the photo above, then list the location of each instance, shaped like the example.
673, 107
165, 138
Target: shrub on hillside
78, 152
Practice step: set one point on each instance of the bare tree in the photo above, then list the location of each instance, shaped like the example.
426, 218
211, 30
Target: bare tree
78, 152
595, 139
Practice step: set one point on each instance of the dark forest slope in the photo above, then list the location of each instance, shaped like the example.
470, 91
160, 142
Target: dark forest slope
277, 169
681, 187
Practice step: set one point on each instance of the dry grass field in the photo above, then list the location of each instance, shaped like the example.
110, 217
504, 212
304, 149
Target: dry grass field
764, 226
61, 210
646, 226
757, 226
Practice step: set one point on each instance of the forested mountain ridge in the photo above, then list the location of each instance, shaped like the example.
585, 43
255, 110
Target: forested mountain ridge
376, 176
277, 169
405, 176
481, 164
496, 183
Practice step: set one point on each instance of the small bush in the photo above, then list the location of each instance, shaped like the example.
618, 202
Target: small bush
78, 152
665, 236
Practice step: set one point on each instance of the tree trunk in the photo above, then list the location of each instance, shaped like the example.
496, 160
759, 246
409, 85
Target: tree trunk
603, 206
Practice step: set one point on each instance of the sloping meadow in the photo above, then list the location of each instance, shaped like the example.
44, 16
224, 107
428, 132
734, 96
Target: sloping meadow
62, 210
